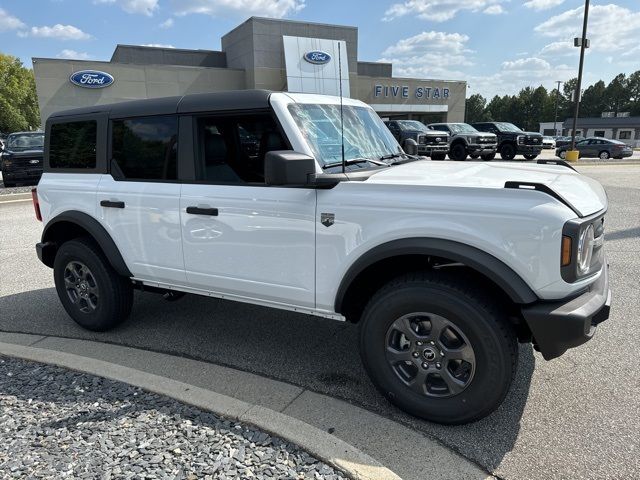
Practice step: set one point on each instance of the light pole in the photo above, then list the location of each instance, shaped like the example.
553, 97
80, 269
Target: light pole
555, 116
583, 44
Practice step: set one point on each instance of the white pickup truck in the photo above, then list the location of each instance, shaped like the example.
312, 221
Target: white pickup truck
248, 196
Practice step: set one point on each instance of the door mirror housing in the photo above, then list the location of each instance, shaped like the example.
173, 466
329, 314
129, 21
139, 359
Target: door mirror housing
410, 146
286, 167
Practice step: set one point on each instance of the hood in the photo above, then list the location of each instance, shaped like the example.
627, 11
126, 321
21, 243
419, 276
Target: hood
585, 194
17, 152
531, 134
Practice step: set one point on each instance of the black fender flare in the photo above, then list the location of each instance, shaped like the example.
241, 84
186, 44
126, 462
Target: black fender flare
95, 229
488, 265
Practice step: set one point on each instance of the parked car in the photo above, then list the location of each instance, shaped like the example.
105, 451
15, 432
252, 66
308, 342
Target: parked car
430, 144
445, 266
22, 158
548, 143
465, 140
512, 140
597, 147
566, 141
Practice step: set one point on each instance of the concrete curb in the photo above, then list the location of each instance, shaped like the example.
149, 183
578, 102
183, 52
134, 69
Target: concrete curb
15, 197
319, 443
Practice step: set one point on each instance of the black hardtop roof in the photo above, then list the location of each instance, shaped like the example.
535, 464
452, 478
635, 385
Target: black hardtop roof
192, 103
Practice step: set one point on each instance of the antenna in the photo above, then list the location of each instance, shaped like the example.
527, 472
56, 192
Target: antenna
341, 120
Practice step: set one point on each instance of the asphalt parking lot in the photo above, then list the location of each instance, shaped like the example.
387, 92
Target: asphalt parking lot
575, 417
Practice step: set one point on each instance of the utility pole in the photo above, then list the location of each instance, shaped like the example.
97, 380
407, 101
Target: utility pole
583, 45
555, 117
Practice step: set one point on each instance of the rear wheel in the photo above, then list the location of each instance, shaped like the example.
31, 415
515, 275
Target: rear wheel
90, 290
491, 156
604, 155
474, 156
530, 157
508, 151
438, 349
458, 152
563, 154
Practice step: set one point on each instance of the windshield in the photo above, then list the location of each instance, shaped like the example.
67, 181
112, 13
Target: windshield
409, 125
508, 127
26, 140
365, 136
462, 128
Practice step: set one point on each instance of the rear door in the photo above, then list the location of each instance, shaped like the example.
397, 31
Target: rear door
242, 238
138, 201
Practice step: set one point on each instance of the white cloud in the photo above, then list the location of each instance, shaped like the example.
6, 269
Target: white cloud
263, 8
58, 31
542, 4
158, 45
9, 22
494, 10
73, 55
168, 23
526, 64
441, 10
612, 28
429, 55
560, 48
145, 7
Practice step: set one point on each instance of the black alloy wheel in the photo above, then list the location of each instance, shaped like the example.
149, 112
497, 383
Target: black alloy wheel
508, 151
458, 152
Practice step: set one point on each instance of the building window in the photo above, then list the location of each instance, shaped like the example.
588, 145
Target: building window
625, 135
145, 148
73, 145
232, 149
598, 133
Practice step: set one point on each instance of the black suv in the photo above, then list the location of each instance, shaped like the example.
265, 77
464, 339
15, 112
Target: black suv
512, 140
22, 158
431, 144
466, 140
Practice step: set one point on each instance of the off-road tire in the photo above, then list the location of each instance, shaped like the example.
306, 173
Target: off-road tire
474, 312
438, 156
508, 151
458, 152
491, 156
114, 293
474, 157
530, 157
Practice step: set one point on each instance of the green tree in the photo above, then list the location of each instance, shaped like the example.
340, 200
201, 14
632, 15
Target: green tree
18, 99
475, 108
593, 100
633, 85
617, 94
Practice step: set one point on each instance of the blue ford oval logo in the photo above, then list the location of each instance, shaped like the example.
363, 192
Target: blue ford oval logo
91, 79
317, 57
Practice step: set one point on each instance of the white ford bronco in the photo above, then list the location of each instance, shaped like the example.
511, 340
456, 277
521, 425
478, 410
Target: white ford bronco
301, 202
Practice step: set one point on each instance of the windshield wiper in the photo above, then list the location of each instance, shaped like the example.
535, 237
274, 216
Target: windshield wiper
406, 158
354, 161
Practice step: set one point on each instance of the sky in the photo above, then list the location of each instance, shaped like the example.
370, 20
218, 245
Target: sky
497, 46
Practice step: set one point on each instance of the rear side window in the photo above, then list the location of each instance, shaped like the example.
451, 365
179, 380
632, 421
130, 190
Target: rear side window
73, 145
145, 148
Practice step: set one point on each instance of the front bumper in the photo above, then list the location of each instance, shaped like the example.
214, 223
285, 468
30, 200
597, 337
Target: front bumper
482, 149
559, 325
529, 149
429, 149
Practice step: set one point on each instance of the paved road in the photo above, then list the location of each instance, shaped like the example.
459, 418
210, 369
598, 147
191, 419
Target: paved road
575, 417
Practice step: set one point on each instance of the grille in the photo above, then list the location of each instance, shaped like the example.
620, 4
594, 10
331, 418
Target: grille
432, 139
532, 140
26, 161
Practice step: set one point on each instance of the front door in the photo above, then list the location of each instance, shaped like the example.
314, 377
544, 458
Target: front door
138, 201
241, 238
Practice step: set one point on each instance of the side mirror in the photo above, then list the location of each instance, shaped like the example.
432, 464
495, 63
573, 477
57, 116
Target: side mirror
286, 167
410, 146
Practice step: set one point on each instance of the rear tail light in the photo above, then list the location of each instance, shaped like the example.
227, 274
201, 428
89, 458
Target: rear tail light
36, 203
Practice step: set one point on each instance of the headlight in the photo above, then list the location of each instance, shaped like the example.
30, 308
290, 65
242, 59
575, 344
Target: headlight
585, 249
520, 139
472, 139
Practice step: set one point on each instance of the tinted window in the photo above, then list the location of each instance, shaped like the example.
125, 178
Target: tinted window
73, 145
625, 135
145, 148
232, 149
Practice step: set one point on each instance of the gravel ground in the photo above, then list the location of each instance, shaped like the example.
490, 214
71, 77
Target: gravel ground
56, 423
6, 191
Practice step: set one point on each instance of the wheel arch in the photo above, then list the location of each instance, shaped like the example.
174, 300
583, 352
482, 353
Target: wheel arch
73, 224
405, 253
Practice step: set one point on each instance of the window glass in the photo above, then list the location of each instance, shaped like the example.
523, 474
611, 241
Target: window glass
73, 145
145, 148
625, 135
598, 133
25, 141
232, 149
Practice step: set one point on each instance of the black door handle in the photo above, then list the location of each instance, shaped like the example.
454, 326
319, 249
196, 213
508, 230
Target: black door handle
202, 211
111, 204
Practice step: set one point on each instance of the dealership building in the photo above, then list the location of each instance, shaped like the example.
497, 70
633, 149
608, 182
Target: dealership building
260, 53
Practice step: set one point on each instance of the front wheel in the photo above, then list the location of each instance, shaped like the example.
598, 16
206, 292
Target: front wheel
438, 156
91, 291
491, 156
458, 152
438, 349
474, 157
508, 152
530, 157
